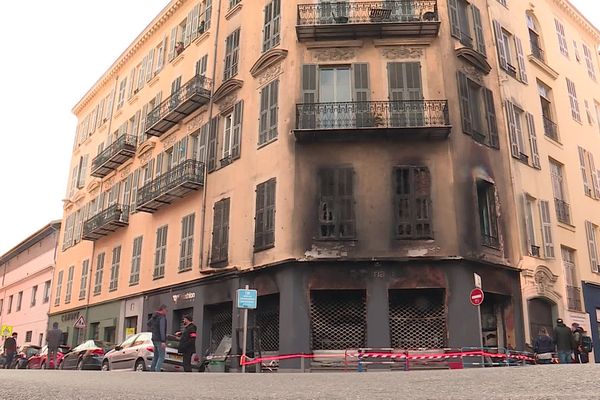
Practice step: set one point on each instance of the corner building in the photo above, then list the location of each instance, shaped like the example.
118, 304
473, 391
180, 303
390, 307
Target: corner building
345, 159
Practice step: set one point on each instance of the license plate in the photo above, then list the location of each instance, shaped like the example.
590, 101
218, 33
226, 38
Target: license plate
177, 357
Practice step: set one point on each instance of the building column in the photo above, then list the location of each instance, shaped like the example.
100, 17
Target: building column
463, 324
378, 324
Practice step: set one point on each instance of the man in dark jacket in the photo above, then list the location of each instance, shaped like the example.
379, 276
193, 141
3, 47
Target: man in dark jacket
187, 342
543, 347
54, 339
158, 326
563, 338
10, 349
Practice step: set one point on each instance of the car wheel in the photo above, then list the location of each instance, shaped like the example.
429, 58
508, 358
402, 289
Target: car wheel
80, 365
105, 366
140, 365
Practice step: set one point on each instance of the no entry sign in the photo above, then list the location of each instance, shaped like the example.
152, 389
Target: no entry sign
476, 296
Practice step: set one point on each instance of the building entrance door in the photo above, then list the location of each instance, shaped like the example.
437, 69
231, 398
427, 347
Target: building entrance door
540, 316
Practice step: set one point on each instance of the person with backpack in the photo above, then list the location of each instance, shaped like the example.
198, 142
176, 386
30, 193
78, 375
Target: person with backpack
586, 347
187, 342
158, 326
576, 341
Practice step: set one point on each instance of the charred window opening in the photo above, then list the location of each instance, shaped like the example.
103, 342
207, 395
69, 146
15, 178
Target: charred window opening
417, 318
219, 319
338, 319
267, 322
488, 218
413, 203
336, 205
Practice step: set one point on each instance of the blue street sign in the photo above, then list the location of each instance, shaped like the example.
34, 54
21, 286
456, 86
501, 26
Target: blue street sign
247, 298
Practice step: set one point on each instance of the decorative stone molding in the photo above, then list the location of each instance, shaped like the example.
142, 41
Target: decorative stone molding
334, 54
145, 148
541, 282
196, 122
233, 10
109, 182
95, 191
201, 38
125, 171
94, 183
267, 60
402, 52
227, 88
474, 58
170, 140
144, 158
473, 73
270, 74
227, 103
333, 44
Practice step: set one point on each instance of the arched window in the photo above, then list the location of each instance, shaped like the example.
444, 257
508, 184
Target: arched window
535, 38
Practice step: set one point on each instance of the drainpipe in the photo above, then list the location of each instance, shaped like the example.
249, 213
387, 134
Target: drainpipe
205, 155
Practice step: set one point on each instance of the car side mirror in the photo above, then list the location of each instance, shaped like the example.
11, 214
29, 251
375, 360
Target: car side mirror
118, 348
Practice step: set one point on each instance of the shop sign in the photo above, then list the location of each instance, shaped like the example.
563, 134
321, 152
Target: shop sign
72, 316
188, 296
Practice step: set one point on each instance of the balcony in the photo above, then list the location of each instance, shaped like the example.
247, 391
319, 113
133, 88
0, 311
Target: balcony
366, 120
106, 222
192, 95
563, 211
574, 298
358, 19
537, 52
550, 129
113, 156
170, 186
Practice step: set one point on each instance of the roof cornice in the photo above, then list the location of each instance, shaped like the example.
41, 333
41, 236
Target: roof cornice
142, 38
52, 226
574, 13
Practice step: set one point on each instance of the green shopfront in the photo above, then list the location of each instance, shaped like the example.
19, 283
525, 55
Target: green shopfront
101, 323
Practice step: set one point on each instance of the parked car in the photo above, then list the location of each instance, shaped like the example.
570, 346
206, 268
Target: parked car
40, 360
137, 351
88, 355
23, 354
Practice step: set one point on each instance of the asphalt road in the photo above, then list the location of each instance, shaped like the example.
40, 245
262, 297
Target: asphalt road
533, 382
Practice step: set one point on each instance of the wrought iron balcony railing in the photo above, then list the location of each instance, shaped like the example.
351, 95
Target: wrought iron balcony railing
563, 211
106, 221
573, 298
192, 95
175, 183
537, 52
114, 155
550, 129
362, 12
372, 114
490, 241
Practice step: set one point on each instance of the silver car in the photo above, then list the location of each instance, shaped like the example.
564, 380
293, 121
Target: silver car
137, 351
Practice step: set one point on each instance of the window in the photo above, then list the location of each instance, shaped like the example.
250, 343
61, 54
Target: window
336, 205
95, 330
589, 173
232, 132
272, 25
412, 205
10, 302
160, 254
47, 286
465, 19
114, 269
1, 305
232, 54
28, 336
591, 232
69, 289
563, 212
136, 261
576, 51
562, 40
99, 274
220, 233
572, 284
85, 270
597, 109
588, 113
573, 100
59, 281
68, 232
532, 247
503, 2
268, 112
534, 37
478, 111
233, 3
550, 127
33, 296
546, 229
510, 53
186, 247
201, 66
19, 300
121, 95
589, 61
488, 217
264, 219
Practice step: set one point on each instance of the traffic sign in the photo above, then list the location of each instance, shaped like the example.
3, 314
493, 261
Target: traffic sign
80, 323
476, 296
6, 330
247, 298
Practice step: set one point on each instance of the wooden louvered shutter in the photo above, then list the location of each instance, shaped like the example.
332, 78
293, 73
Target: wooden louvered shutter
465, 107
500, 45
307, 115
479, 37
454, 19
238, 111
512, 129
521, 60
491, 118
546, 229
361, 95
590, 231
212, 144
535, 155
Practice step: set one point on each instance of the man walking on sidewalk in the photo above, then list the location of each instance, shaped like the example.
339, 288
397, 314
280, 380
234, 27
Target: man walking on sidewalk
563, 338
158, 326
187, 342
10, 349
53, 338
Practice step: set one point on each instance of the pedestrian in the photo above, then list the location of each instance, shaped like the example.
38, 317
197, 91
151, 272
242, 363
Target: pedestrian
10, 350
586, 347
54, 339
187, 342
158, 326
563, 339
543, 347
577, 334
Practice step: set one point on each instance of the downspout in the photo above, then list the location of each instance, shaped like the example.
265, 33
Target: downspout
205, 155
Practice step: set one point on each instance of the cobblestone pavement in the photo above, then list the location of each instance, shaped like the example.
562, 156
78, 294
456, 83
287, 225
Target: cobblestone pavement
534, 382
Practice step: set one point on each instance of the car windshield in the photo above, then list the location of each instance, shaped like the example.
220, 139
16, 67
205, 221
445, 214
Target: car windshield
90, 345
30, 351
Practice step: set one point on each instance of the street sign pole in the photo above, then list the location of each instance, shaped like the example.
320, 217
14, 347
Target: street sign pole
244, 339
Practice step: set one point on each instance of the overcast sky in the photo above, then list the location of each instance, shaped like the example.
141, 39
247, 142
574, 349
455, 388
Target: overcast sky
53, 52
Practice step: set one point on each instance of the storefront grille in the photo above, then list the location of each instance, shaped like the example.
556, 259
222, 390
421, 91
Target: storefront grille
417, 318
338, 319
220, 323
267, 321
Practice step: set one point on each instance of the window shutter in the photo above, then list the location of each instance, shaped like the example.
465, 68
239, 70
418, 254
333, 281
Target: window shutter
478, 30
264, 114
142, 131
238, 110
216, 233
134, 188
276, 23
528, 239
594, 175
491, 118
521, 60
586, 184
131, 83
193, 21
224, 229
535, 155
159, 164
361, 94
512, 129
207, 14
309, 96
203, 142
161, 55
268, 12
562, 40
546, 229
454, 21
259, 223
150, 65
273, 109
126, 191
345, 187
465, 107
187, 33
172, 43
500, 45
212, 144
592, 249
